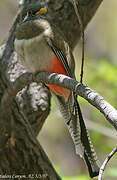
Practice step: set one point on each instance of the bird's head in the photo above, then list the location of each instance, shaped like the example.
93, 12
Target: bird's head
32, 12
33, 22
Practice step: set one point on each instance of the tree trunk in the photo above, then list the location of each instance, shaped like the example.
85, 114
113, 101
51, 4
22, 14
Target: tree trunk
22, 119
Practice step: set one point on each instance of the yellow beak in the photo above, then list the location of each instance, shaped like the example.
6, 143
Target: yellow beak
41, 11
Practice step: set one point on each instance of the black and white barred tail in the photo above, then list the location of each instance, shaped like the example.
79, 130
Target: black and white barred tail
76, 126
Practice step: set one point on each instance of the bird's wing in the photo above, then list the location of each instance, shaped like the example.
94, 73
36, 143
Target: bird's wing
60, 55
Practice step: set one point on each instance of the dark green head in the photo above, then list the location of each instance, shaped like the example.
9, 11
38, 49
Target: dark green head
31, 20
33, 8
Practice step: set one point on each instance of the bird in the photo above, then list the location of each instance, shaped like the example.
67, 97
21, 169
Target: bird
42, 47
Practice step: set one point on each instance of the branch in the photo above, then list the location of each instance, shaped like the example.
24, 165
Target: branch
84, 91
64, 81
106, 162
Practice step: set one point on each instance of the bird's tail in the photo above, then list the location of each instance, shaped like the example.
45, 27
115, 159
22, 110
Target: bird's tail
73, 118
90, 156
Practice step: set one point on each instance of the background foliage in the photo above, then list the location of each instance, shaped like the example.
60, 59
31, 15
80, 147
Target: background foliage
99, 74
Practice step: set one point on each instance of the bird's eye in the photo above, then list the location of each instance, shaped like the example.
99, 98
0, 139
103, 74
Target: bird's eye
30, 13
41, 11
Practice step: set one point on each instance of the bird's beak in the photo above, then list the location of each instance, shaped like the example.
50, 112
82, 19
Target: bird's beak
41, 11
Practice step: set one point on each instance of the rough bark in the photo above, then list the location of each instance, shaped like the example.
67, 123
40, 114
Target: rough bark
20, 152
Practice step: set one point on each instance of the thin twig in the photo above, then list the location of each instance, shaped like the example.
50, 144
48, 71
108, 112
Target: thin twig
82, 35
105, 163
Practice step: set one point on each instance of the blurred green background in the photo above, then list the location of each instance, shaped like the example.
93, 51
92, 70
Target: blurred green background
100, 74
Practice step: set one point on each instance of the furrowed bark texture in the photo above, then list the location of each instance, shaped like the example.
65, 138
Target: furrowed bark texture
20, 152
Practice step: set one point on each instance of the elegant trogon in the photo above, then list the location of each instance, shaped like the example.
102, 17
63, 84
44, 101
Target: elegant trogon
41, 46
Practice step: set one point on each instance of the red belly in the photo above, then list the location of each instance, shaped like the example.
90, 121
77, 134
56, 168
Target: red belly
57, 67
